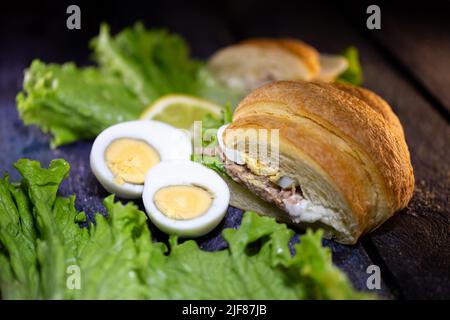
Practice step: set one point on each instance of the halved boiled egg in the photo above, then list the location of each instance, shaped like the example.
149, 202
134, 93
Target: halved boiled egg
122, 154
185, 198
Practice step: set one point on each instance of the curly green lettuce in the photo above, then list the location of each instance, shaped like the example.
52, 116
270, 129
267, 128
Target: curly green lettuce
135, 67
151, 63
353, 74
41, 244
74, 103
210, 141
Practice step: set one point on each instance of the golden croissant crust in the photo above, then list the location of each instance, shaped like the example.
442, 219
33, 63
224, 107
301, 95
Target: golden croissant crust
254, 62
342, 144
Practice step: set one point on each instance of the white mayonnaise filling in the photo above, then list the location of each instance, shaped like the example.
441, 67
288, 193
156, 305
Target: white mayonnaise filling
306, 211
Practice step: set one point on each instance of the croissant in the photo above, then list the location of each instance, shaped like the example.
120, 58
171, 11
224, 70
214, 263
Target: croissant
343, 164
254, 62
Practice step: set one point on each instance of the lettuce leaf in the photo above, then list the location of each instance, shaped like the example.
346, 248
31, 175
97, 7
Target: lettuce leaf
40, 241
19, 276
115, 255
135, 67
151, 63
353, 74
212, 123
74, 103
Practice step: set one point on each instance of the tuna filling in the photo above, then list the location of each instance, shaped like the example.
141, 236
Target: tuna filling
263, 187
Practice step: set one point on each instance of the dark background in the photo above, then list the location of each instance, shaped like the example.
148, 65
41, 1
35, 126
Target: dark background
407, 62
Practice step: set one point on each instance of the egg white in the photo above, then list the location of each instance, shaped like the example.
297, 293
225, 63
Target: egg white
171, 173
170, 143
230, 154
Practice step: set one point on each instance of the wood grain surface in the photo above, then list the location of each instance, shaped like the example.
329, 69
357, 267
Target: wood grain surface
421, 43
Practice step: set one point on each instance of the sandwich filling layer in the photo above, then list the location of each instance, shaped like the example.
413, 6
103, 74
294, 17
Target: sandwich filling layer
262, 186
290, 199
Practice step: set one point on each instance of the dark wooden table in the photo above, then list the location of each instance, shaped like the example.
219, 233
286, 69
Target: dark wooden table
407, 62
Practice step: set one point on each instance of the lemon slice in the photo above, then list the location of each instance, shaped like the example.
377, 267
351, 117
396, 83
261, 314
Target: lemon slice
180, 110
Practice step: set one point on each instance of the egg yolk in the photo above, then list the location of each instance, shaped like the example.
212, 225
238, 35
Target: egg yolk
130, 159
182, 202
